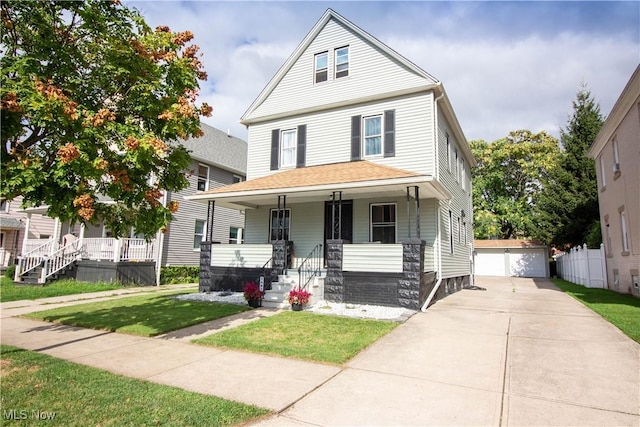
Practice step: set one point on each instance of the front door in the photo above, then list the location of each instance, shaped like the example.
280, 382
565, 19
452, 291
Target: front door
346, 222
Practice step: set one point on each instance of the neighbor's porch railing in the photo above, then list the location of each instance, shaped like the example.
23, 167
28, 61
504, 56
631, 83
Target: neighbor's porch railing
31, 259
116, 250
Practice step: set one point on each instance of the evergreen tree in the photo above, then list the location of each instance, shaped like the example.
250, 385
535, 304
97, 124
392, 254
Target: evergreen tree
567, 208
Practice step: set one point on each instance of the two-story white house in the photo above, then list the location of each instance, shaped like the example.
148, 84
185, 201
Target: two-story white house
358, 176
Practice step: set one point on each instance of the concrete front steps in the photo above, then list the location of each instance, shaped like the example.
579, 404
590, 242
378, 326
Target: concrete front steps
275, 298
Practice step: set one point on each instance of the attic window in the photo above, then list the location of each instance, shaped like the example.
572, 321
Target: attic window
342, 62
321, 67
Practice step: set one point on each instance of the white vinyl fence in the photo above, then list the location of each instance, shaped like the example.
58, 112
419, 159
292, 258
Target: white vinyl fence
584, 266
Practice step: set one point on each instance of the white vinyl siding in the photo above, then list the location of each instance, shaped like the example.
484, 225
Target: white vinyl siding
328, 136
367, 64
248, 256
372, 257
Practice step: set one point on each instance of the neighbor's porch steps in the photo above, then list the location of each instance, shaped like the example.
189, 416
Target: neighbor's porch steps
275, 298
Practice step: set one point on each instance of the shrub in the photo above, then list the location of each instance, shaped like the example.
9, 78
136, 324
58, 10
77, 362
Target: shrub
10, 272
179, 274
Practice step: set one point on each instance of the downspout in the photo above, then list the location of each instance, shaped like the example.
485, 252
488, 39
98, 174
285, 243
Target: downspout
436, 156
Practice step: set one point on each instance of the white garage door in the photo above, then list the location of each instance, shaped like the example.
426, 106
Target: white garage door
528, 262
489, 262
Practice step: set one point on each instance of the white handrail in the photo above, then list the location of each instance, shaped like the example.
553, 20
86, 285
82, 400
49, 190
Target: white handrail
32, 259
59, 260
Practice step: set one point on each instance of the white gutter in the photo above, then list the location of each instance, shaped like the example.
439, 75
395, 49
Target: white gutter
438, 231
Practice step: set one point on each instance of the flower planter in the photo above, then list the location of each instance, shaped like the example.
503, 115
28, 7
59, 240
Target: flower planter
296, 307
255, 303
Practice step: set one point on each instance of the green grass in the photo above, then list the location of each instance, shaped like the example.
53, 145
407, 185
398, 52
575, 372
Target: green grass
146, 315
79, 395
303, 335
621, 310
12, 292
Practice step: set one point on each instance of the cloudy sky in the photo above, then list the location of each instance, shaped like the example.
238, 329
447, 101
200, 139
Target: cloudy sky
504, 65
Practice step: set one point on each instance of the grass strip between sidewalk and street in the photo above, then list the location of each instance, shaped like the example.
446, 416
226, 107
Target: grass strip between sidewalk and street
38, 389
303, 335
623, 311
146, 315
9, 291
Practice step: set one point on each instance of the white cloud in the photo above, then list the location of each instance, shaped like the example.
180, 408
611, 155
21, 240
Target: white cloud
529, 83
501, 70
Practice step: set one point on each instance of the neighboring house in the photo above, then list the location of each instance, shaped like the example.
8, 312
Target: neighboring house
358, 174
511, 258
616, 151
218, 159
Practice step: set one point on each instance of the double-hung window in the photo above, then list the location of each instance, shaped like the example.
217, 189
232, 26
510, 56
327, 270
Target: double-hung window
373, 136
342, 62
203, 177
288, 148
321, 67
383, 223
625, 232
235, 235
198, 233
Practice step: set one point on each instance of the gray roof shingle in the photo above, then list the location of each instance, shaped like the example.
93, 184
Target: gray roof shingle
217, 148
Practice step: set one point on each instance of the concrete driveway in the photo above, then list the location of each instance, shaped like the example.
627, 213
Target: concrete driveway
518, 353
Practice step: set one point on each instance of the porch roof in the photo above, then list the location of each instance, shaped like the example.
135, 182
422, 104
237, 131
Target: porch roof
358, 179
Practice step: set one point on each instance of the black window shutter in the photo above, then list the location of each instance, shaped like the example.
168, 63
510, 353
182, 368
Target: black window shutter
275, 149
390, 133
356, 143
302, 146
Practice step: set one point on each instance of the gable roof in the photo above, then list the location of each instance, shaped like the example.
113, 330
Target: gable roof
317, 28
218, 148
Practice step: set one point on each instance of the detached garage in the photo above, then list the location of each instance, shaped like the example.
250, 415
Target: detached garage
519, 258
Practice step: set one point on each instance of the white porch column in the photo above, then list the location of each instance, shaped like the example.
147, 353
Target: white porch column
27, 229
57, 230
117, 245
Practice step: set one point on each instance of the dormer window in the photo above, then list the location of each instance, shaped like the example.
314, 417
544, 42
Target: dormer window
342, 62
321, 71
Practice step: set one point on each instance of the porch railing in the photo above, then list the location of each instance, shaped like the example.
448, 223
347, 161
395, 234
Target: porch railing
310, 267
117, 249
37, 247
59, 260
32, 259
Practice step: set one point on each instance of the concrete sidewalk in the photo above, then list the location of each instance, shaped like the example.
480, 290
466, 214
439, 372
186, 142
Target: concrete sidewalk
519, 353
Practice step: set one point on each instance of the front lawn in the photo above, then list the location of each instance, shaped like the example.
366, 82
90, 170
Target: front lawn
12, 292
303, 335
146, 315
621, 310
43, 390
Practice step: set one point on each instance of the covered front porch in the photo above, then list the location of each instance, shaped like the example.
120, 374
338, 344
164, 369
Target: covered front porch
93, 259
367, 233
